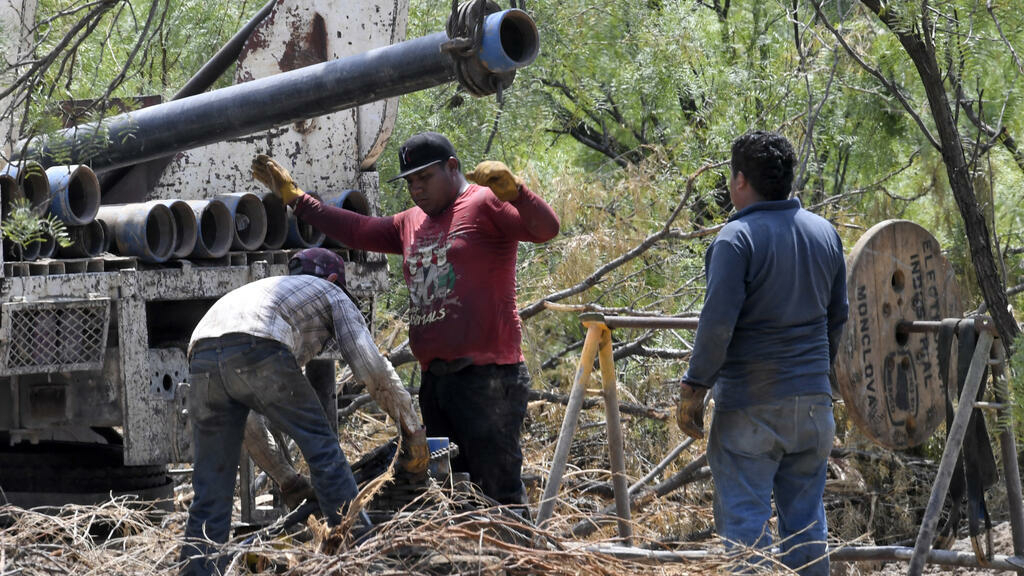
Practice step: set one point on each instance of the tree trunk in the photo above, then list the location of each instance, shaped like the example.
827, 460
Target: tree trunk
922, 54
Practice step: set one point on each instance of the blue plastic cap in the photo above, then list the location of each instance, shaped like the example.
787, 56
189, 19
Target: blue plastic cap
503, 48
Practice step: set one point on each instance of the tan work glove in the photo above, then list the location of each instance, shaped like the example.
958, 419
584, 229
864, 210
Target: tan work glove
690, 410
496, 176
415, 455
276, 178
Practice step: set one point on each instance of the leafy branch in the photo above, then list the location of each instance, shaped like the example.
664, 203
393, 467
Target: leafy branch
24, 226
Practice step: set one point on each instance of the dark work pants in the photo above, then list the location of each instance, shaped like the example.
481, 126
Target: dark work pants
481, 409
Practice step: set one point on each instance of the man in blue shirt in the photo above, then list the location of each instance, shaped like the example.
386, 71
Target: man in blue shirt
773, 313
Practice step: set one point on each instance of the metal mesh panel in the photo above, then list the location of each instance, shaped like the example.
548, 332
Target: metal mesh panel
41, 337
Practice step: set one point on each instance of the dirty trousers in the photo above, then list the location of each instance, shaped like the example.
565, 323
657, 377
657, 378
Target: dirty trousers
778, 448
481, 409
229, 376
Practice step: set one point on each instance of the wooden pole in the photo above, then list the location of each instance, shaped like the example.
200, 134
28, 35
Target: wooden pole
1008, 450
616, 454
572, 414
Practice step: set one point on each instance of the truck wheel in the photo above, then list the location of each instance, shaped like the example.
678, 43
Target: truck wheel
55, 473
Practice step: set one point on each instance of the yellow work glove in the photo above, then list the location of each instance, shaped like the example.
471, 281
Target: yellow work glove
415, 455
276, 178
496, 176
690, 410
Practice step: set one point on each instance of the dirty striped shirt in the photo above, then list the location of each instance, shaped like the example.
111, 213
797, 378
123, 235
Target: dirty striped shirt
305, 313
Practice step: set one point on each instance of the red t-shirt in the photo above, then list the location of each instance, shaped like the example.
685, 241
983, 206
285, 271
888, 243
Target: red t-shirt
460, 267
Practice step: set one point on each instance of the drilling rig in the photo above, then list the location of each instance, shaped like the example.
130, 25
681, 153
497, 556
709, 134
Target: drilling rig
165, 219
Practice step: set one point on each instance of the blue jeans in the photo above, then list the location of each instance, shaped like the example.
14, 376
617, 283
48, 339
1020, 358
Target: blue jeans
231, 375
778, 448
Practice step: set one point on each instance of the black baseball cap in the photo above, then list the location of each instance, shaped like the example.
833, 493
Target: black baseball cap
421, 151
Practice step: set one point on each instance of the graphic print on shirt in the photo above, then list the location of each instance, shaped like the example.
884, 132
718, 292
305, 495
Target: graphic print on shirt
431, 280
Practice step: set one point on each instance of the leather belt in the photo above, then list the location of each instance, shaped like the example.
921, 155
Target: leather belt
229, 340
446, 367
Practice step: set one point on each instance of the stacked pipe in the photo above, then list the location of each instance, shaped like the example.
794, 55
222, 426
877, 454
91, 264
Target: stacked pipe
143, 229
277, 221
249, 218
483, 61
152, 231
69, 193
25, 180
159, 230
300, 234
213, 228
186, 230
75, 200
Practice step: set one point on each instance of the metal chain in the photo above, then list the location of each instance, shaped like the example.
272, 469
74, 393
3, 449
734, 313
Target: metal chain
451, 449
500, 94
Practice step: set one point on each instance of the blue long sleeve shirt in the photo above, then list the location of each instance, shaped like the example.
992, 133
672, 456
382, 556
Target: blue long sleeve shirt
774, 309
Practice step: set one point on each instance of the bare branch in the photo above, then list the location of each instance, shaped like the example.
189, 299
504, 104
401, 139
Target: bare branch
639, 249
696, 470
582, 308
653, 413
597, 138
39, 66
1016, 58
996, 134
143, 40
890, 86
557, 356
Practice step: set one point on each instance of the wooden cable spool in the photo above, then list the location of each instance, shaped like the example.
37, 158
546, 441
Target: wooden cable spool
889, 380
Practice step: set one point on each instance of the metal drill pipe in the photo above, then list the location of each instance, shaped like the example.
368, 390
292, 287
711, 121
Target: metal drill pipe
922, 326
276, 100
667, 322
843, 554
938, 557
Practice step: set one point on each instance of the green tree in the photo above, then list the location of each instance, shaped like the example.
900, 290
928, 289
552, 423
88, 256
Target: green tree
23, 226
92, 59
962, 58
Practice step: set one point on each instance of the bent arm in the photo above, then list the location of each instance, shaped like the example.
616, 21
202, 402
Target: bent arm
350, 228
386, 389
838, 308
372, 369
265, 451
528, 218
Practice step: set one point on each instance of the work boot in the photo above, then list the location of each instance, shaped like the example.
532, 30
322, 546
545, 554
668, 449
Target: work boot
295, 490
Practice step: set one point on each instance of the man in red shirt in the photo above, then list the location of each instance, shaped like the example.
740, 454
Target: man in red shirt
458, 247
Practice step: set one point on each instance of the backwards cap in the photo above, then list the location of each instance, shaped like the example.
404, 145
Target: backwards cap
319, 262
